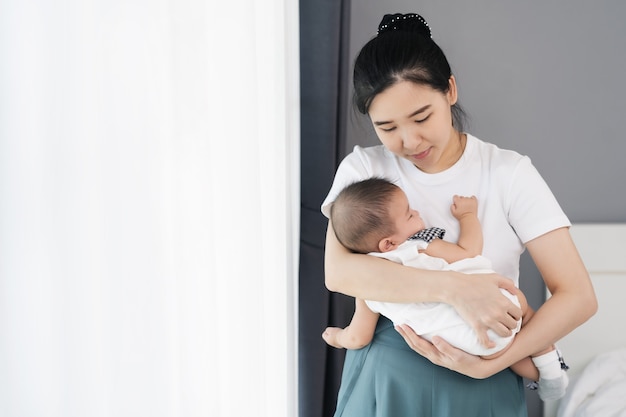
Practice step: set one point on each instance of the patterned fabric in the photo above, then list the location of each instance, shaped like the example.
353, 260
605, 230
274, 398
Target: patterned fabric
428, 235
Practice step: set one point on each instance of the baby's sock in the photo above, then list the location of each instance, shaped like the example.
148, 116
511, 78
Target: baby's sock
552, 378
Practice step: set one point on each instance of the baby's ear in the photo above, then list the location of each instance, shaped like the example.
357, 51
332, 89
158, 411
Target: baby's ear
386, 245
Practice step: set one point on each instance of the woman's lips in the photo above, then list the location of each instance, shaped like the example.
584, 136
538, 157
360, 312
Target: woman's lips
421, 155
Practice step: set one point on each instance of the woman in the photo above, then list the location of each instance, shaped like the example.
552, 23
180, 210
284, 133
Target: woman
403, 82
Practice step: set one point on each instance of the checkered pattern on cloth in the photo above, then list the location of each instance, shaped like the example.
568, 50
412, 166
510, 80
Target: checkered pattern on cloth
428, 235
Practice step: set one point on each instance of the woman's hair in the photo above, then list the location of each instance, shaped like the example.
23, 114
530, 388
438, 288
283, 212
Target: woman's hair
360, 214
403, 50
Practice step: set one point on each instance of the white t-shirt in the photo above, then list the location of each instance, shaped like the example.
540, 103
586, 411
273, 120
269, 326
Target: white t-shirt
515, 204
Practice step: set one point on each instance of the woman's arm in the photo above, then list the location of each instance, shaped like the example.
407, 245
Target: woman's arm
477, 297
572, 303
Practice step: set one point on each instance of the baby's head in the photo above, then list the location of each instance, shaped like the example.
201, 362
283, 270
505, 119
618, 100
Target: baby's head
373, 215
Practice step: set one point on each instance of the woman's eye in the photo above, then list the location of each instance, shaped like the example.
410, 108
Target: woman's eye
422, 120
388, 129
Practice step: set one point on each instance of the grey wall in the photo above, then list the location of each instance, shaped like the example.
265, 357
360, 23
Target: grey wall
545, 78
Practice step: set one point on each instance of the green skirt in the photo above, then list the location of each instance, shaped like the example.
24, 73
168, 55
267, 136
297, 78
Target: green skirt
388, 379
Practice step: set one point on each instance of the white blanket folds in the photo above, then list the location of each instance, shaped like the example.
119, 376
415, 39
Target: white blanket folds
600, 390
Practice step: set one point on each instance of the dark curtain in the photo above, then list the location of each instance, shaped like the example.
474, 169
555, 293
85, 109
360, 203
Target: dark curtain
324, 70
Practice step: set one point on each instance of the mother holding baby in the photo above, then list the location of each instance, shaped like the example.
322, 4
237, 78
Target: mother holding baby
403, 82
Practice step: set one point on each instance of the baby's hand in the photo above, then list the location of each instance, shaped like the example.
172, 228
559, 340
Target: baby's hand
462, 206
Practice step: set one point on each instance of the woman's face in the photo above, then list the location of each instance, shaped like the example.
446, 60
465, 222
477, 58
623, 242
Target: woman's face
415, 122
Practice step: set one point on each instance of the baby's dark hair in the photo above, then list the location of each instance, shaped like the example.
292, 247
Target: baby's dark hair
360, 214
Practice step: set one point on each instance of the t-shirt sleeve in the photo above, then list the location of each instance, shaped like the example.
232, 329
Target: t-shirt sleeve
532, 207
352, 169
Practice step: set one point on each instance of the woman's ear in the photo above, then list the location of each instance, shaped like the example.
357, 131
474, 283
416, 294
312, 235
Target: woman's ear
452, 94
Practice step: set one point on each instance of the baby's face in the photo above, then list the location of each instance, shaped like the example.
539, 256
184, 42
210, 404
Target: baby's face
408, 221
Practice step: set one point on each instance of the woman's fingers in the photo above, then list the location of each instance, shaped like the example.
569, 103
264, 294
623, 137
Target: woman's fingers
417, 343
514, 311
443, 354
483, 305
483, 338
438, 352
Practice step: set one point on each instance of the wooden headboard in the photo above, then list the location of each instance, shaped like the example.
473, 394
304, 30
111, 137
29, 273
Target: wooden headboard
602, 247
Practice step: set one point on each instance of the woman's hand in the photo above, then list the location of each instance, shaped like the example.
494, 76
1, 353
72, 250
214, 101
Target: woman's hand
479, 301
443, 354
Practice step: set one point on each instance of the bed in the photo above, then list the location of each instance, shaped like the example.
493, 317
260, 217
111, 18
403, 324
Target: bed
597, 349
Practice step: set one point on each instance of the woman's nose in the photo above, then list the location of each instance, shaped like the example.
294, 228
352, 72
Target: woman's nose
411, 138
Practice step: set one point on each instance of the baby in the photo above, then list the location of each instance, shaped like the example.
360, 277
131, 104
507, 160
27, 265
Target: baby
373, 216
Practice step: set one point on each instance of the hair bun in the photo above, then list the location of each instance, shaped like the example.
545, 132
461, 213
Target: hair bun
410, 22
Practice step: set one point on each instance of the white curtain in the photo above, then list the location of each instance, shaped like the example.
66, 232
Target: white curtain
149, 205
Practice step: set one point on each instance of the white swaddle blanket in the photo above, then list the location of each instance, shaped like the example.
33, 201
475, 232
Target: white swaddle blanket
439, 319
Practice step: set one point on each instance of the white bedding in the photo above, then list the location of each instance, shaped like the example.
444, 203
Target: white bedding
600, 390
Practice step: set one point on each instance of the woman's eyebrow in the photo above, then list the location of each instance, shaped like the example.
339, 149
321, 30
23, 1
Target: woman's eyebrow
415, 113
418, 111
